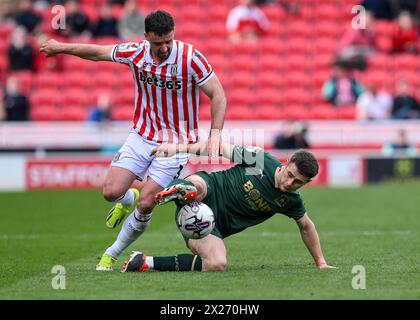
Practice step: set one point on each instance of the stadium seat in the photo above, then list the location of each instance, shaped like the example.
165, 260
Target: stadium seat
242, 79
74, 98
322, 112
346, 113
72, 113
122, 113
295, 96
271, 61
241, 97
44, 98
268, 97
47, 80
268, 78
43, 113
295, 112
77, 80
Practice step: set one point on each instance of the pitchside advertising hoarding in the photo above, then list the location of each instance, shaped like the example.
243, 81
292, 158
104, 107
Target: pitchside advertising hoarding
392, 169
81, 173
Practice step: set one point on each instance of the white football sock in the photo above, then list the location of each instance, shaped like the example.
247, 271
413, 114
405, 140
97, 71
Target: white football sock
130, 231
150, 262
127, 199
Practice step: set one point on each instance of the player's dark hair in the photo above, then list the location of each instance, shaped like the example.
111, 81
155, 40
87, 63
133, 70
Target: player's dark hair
306, 163
159, 22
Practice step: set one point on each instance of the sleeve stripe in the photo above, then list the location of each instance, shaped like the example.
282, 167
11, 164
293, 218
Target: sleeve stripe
204, 79
113, 52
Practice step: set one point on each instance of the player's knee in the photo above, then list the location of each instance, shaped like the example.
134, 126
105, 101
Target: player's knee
111, 193
216, 264
146, 203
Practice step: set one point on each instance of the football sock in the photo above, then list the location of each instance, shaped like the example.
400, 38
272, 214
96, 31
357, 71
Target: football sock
178, 181
180, 262
132, 228
127, 199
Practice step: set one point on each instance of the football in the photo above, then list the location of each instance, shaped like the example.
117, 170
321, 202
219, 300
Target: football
195, 220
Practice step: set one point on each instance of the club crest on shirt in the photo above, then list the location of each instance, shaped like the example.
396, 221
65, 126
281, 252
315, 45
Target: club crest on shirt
281, 201
174, 69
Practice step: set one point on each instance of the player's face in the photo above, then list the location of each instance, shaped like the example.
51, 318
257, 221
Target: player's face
161, 46
290, 179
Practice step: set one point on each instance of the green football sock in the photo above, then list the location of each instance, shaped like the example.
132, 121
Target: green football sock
178, 181
180, 262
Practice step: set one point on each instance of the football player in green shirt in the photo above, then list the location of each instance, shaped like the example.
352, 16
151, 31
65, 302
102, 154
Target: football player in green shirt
250, 192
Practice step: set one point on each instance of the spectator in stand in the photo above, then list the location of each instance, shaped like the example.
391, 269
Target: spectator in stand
358, 43
342, 89
15, 105
101, 112
246, 22
20, 52
405, 34
106, 26
77, 23
400, 147
373, 104
131, 24
26, 17
405, 106
292, 136
382, 9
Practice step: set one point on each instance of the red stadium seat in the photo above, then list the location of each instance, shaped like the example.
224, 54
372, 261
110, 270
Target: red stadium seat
322, 112
74, 98
346, 113
270, 79
296, 79
241, 97
122, 113
72, 113
295, 112
43, 113
295, 96
77, 80
241, 79
268, 97
47, 80
271, 61
297, 62
44, 98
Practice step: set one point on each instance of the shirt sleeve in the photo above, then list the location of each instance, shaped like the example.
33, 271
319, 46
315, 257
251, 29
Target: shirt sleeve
201, 69
297, 210
124, 52
247, 155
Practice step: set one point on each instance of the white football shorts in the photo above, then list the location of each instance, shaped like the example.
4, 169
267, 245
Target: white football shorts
134, 156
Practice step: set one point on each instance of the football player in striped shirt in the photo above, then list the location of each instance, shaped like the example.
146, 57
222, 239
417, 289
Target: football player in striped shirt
168, 75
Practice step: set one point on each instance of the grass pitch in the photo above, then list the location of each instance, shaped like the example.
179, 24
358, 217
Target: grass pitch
375, 226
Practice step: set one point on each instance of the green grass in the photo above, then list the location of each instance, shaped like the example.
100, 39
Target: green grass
375, 226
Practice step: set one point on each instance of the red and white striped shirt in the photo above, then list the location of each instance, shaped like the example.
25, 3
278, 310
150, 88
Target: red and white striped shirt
167, 95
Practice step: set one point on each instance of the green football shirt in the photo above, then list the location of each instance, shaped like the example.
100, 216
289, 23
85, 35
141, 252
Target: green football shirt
245, 195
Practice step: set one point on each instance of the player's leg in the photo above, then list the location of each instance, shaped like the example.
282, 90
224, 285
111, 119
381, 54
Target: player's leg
130, 162
184, 190
117, 189
137, 222
209, 254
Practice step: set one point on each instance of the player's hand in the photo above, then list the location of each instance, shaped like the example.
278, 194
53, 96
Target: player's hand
165, 150
50, 48
214, 143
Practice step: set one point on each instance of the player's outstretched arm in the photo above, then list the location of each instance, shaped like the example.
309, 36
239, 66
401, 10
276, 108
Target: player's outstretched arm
86, 51
199, 149
311, 240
